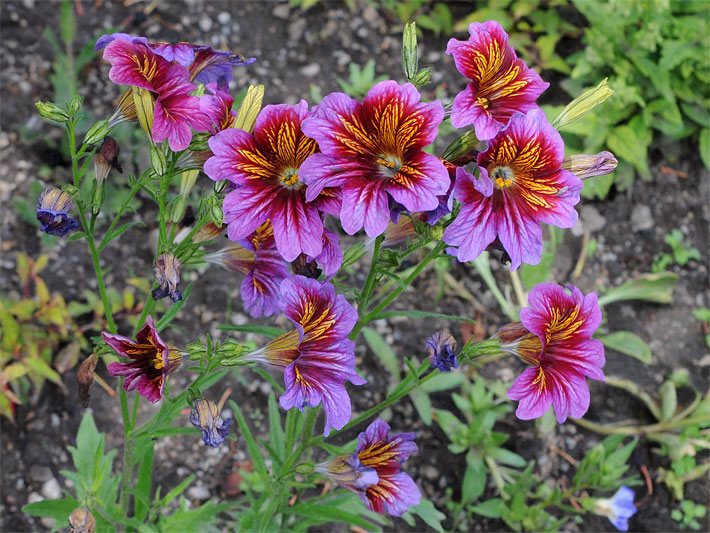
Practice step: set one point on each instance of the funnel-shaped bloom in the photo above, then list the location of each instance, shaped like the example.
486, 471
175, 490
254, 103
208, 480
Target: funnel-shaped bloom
348, 472
317, 357
265, 167
217, 105
521, 185
373, 151
501, 84
263, 268
395, 491
53, 209
563, 356
151, 361
618, 509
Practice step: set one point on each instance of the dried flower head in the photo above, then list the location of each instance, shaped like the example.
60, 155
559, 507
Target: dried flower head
53, 209
167, 276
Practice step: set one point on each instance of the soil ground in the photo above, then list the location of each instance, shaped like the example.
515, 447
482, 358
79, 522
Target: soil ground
295, 50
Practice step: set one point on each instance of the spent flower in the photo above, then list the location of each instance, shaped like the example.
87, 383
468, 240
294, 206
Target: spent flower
442, 351
167, 276
53, 209
206, 416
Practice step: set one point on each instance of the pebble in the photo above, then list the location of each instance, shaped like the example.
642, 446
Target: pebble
430, 472
296, 29
198, 492
282, 11
641, 218
310, 71
593, 219
51, 489
205, 24
40, 474
223, 18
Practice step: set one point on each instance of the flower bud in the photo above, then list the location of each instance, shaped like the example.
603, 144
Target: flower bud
187, 182
304, 468
97, 132
589, 165
409, 50
157, 160
422, 77
207, 232
583, 104
464, 149
251, 105
125, 109
82, 521
230, 354
51, 111
74, 105
145, 108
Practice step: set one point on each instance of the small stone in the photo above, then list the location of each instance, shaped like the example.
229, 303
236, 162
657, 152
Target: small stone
430, 472
51, 489
223, 18
310, 71
592, 219
641, 218
34, 497
282, 11
371, 16
40, 474
205, 24
198, 492
296, 29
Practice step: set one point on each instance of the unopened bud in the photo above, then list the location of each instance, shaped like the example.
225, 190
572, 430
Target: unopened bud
410, 61
464, 148
125, 109
97, 132
251, 105
589, 165
82, 521
158, 161
51, 111
145, 108
74, 105
304, 468
583, 104
422, 77
231, 354
85, 378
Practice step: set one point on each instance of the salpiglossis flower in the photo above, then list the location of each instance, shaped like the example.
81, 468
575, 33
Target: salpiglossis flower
521, 185
257, 258
556, 341
265, 167
501, 84
618, 509
151, 361
373, 152
395, 491
442, 351
53, 209
206, 416
317, 357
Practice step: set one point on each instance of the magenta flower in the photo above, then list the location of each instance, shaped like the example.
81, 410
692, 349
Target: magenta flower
395, 492
501, 84
151, 360
216, 104
317, 357
263, 268
265, 167
521, 185
555, 338
373, 151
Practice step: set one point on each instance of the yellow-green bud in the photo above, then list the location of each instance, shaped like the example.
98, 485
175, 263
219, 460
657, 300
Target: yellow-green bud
145, 109
251, 105
461, 149
422, 77
589, 165
409, 50
157, 160
583, 104
74, 105
51, 111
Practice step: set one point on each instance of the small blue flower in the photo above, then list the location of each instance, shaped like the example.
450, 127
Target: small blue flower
53, 212
618, 509
442, 351
205, 415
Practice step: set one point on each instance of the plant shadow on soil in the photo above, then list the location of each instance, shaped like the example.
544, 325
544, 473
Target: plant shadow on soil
34, 450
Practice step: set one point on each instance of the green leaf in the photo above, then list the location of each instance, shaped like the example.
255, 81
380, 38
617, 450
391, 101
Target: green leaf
704, 145
171, 313
506, 457
177, 491
144, 484
474, 479
252, 447
629, 344
444, 381
624, 142
423, 314
388, 358
190, 520
276, 432
422, 403
328, 513
657, 288
669, 400
490, 508
430, 514
57, 509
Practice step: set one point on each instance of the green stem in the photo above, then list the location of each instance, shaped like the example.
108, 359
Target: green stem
433, 254
518, 288
371, 276
482, 265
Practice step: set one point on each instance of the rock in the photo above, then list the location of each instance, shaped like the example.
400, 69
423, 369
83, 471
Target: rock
592, 219
641, 218
205, 23
41, 474
296, 29
34, 497
281, 11
198, 492
430, 472
310, 71
371, 16
51, 489
223, 18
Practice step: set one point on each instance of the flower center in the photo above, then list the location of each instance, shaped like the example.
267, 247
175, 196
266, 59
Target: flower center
289, 179
389, 165
503, 177
483, 102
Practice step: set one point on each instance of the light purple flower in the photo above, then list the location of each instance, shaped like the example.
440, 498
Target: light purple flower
618, 509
